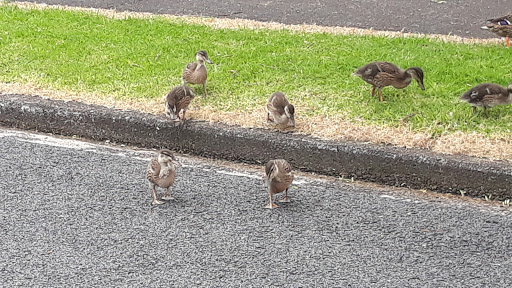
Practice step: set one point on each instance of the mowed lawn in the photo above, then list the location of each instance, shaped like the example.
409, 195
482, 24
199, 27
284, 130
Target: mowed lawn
144, 58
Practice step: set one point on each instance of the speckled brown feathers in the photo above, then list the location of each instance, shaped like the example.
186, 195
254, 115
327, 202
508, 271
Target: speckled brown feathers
161, 172
178, 100
278, 177
280, 109
381, 74
195, 73
488, 95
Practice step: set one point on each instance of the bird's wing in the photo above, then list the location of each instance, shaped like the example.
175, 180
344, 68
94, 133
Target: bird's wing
277, 103
387, 67
153, 169
284, 166
191, 66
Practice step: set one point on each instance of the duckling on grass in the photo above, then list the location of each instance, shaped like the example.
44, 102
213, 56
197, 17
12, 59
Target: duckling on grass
280, 109
195, 73
488, 95
381, 74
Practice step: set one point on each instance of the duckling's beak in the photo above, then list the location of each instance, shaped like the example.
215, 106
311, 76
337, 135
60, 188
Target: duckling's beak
421, 84
292, 121
208, 60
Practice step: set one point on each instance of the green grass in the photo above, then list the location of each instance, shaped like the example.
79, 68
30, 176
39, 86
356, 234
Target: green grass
144, 58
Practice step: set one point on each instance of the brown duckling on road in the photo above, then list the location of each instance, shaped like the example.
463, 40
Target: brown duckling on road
488, 95
280, 109
277, 178
161, 172
178, 100
381, 74
195, 73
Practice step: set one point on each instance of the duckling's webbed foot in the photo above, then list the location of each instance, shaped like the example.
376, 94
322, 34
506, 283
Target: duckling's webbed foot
269, 119
155, 199
157, 202
381, 99
271, 206
285, 199
167, 196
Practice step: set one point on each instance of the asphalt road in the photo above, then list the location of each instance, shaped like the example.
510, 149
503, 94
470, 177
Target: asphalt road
459, 17
77, 213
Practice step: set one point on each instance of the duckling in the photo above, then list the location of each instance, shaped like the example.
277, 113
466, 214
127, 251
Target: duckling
178, 100
195, 73
281, 110
488, 95
501, 26
161, 172
382, 74
277, 178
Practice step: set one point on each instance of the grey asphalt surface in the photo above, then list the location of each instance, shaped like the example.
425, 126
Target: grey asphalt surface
78, 213
459, 17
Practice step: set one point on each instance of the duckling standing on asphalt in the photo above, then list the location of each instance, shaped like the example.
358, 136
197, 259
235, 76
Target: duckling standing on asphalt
195, 73
281, 110
488, 95
381, 74
501, 26
277, 178
178, 100
161, 172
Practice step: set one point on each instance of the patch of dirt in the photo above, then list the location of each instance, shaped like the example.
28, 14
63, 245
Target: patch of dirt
334, 128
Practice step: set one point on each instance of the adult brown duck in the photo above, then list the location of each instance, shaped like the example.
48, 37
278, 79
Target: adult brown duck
501, 26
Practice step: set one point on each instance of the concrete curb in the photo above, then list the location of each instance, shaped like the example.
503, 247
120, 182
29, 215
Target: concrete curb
395, 166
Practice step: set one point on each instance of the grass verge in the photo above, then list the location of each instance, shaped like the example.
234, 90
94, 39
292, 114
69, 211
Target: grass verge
136, 61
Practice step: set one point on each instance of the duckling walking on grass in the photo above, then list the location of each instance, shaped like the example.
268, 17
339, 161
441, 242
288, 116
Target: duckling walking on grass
488, 95
501, 26
281, 110
277, 178
381, 74
178, 100
161, 172
195, 73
